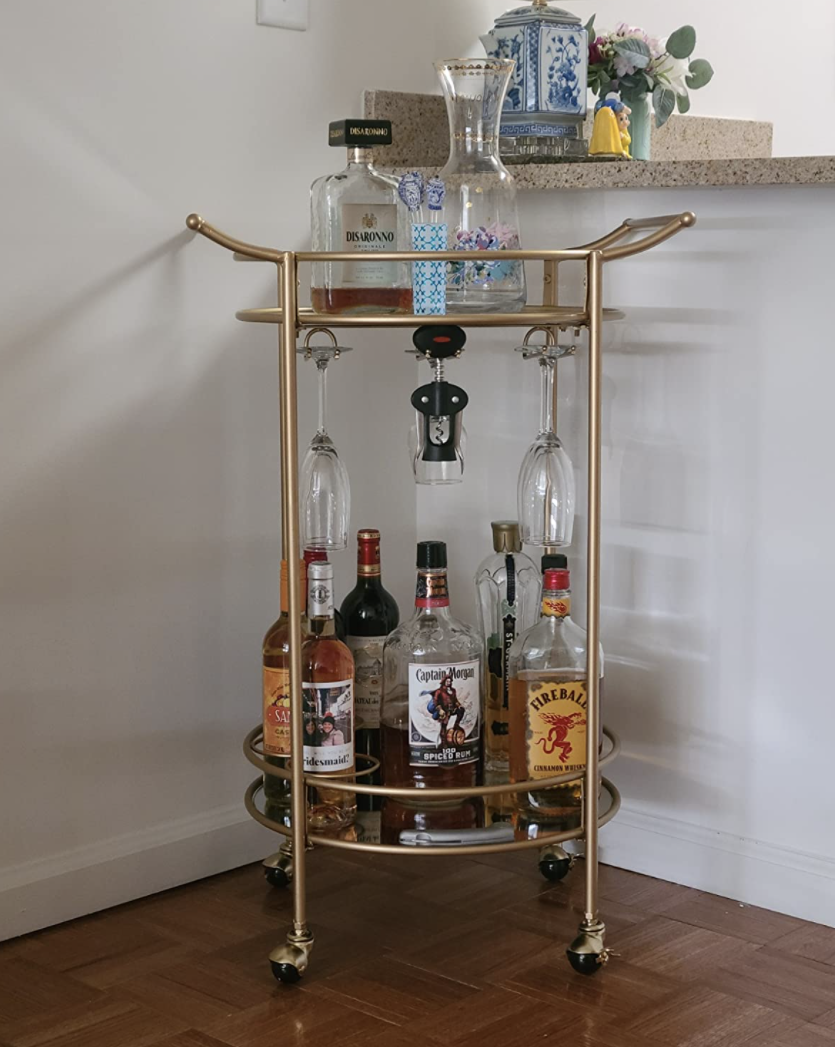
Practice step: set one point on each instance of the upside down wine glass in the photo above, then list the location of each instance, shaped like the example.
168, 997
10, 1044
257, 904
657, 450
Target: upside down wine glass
545, 493
325, 489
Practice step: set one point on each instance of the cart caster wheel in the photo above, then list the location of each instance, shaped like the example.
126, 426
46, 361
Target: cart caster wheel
277, 877
584, 963
555, 864
588, 953
555, 870
289, 962
286, 973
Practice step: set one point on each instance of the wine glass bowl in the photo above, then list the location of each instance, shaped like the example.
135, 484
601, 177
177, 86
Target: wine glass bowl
546, 494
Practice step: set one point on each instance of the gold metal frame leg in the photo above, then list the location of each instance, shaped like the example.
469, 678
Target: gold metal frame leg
289, 961
587, 953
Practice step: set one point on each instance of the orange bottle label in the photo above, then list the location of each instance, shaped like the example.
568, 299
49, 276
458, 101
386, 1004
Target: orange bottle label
556, 608
276, 711
556, 727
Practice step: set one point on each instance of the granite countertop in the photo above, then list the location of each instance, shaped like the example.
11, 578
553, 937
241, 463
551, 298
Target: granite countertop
687, 151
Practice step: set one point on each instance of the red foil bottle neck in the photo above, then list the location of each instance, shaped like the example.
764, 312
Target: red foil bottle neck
556, 580
368, 553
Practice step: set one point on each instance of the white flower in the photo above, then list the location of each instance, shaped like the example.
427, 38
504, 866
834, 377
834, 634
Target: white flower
673, 71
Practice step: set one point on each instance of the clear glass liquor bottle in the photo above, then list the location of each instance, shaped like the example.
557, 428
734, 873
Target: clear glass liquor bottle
548, 705
357, 210
328, 704
432, 698
508, 588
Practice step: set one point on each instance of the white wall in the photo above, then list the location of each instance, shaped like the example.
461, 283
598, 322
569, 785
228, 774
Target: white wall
772, 62
139, 453
718, 561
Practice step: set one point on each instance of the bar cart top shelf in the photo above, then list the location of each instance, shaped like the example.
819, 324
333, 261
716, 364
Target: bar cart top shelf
530, 316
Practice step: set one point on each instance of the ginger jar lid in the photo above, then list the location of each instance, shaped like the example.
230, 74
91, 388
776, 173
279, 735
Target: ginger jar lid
538, 12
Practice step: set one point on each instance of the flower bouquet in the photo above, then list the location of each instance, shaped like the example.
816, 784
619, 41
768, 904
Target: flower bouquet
637, 66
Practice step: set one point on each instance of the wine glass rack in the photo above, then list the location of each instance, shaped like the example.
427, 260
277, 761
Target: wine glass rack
587, 953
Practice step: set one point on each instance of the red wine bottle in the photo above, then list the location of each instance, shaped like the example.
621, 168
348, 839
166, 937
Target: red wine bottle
369, 613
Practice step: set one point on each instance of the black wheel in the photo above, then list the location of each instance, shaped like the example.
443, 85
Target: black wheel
287, 973
554, 869
584, 962
276, 877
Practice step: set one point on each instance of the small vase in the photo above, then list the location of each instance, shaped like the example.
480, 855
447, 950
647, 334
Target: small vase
640, 127
480, 205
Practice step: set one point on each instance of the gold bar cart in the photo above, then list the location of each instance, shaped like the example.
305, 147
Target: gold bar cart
588, 952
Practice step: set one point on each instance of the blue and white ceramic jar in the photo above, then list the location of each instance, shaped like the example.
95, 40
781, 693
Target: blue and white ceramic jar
547, 96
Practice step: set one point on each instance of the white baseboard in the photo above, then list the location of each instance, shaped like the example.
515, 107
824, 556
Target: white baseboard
87, 879
779, 878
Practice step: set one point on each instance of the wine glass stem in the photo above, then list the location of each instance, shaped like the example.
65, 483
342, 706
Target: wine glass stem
323, 396
548, 375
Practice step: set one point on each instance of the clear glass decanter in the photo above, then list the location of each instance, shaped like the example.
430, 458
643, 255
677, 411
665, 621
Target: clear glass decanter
480, 206
508, 587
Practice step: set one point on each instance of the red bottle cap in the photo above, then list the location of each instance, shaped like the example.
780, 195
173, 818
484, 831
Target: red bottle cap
556, 580
368, 547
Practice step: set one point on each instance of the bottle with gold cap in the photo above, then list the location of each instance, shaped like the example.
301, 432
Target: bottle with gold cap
508, 588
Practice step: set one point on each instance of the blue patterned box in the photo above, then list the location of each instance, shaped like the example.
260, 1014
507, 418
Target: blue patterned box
429, 278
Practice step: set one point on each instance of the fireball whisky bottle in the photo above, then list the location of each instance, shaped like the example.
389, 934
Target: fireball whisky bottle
548, 705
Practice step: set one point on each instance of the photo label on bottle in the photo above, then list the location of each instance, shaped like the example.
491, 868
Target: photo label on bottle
276, 711
444, 714
328, 726
556, 737
368, 227
368, 673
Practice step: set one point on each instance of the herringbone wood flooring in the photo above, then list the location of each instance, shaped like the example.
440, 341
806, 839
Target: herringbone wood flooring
422, 952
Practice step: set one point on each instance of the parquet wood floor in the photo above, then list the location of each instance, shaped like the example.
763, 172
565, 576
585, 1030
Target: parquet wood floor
451, 952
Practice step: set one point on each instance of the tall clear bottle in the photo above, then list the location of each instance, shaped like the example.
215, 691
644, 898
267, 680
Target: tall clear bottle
432, 698
508, 588
328, 705
357, 211
548, 705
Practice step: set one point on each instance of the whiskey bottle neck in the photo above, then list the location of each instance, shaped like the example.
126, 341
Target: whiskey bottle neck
432, 592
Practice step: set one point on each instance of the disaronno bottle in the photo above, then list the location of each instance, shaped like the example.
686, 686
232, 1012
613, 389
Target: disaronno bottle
548, 705
370, 613
431, 715
508, 586
357, 211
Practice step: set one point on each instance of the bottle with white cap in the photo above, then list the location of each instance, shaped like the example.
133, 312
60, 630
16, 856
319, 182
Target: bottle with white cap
328, 704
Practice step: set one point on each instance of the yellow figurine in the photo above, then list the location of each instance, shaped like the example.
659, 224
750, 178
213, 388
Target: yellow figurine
611, 130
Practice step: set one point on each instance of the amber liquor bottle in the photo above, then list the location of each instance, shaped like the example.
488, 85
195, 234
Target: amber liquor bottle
276, 700
328, 705
357, 211
548, 706
432, 703
369, 613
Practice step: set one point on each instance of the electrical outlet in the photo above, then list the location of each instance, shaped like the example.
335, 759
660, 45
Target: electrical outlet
284, 14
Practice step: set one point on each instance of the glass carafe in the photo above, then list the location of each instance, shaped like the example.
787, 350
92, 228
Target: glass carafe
480, 206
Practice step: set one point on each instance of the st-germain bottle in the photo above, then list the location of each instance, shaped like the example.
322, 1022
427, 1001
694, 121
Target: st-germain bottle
508, 586
369, 613
276, 700
357, 211
328, 703
432, 697
549, 704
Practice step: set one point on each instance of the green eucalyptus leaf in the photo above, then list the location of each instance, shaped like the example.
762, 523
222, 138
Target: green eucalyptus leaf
635, 50
664, 103
650, 82
701, 73
682, 43
683, 103
590, 27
